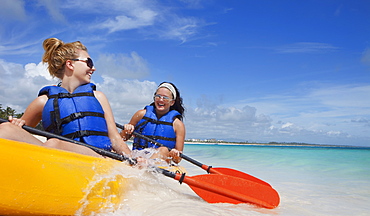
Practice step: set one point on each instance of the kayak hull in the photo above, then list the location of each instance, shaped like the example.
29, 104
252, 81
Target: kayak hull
37, 180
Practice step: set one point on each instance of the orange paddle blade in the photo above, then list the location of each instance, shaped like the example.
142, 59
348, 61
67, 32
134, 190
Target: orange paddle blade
224, 171
215, 188
236, 173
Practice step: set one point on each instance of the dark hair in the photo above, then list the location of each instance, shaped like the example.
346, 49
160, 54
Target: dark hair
178, 105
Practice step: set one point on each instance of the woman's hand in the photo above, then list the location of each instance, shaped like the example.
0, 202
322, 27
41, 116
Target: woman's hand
127, 131
175, 155
16, 121
129, 128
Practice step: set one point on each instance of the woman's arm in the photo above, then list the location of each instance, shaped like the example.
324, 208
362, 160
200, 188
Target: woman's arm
179, 128
118, 144
126, 133
33, 114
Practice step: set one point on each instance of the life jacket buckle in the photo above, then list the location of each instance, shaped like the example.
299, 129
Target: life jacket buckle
64, 95
76, 115
81, 133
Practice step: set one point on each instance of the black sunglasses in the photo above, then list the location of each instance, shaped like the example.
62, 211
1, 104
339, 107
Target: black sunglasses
88, 61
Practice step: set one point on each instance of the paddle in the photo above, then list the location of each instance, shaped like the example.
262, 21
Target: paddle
212, 188
215, 188
209, 169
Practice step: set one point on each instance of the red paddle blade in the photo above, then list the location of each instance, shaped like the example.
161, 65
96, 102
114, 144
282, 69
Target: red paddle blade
228, 189
236, 173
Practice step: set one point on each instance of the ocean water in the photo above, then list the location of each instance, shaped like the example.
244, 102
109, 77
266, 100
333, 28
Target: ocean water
310, 181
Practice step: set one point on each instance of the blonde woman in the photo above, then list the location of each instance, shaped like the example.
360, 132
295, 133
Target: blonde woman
73, 109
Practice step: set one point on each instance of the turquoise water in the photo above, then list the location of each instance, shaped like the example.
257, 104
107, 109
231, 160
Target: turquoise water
309, 180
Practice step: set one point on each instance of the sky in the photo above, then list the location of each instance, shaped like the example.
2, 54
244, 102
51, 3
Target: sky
252, 70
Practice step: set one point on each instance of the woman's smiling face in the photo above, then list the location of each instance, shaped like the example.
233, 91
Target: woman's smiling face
163, 105
82, 71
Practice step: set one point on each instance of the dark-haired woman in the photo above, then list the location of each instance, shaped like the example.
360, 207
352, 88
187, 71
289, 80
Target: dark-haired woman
161, 121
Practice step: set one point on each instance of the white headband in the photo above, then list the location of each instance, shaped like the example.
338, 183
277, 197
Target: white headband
169, 87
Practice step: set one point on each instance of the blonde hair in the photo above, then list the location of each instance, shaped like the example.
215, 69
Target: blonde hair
57, 53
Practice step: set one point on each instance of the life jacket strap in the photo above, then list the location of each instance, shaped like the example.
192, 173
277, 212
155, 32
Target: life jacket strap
78, 115
138, 146
155, 121
83, 133
72, 117
69, 95
156, 138
161, 138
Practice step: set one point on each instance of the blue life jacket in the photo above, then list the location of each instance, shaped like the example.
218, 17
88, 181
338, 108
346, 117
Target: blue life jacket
160, 130
76, 115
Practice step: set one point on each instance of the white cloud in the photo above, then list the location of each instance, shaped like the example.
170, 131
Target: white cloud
122, 66
127, 96
180, 28
13, 47
19, 85
132, 21
343, 96
116, 15
209, 120
13, 10
306, 47
54, 11
320, 112
41, 69
286, 125
150, 17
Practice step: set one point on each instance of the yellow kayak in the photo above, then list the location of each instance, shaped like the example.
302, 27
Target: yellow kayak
36, 180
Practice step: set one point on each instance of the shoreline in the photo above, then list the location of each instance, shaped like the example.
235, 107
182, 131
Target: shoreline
43, 139
275, 144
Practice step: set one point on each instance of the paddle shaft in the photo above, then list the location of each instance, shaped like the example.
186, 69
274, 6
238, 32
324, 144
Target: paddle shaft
96, 149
